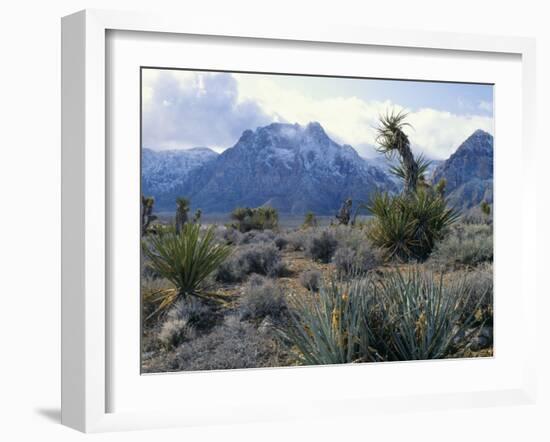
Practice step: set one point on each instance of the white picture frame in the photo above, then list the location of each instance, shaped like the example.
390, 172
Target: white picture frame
86, 210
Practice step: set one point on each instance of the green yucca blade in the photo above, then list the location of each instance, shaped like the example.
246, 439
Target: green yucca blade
331, 327
185, 259
424, 315
407, 226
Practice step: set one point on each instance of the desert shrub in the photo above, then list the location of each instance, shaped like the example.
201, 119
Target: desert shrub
259, 218
186, 260
147, 271
311, 280
261, 298
231, 271
350, 236
424, 318
407, 226
281, 241
195, 312
255, 237
228, 235
174, 332
297, 240
151, 285
465, 245
334, 330
263, 258
355, 262
479, 281
234, 344
481, 214
322, 245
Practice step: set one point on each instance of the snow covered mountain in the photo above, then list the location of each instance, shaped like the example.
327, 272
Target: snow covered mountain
164, 174
469, 172
297, 169
292, 168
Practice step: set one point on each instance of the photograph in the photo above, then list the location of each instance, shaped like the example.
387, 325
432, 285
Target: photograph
292, 220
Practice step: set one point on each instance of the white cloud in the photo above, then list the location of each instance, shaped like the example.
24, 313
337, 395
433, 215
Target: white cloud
183, 109
438, 134
486, 106
353, 120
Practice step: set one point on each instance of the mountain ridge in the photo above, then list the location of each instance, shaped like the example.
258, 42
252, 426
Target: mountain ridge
291, 167
469, 172
298, 168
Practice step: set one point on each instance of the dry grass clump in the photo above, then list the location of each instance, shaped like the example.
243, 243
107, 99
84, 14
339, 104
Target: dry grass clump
281, 241
195, 312
296, 240
228, 235
262, 258
256, 236
149, 287
465, 245
234, 344
311, 280
357, 261
174, 332
262, 298
479, 281
322, 245
351, 236
475, 215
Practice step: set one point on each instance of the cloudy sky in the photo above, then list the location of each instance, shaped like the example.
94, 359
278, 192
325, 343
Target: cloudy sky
184, 109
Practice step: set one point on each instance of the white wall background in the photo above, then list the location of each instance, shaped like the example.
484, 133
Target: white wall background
30, 219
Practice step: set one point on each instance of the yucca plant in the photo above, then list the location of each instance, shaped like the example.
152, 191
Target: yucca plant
392, 228
186, 260
310, 220
182, 210
391, 140
400, 170
406, 227
268, 217
424, 316
147, 217
332, 327
258, 218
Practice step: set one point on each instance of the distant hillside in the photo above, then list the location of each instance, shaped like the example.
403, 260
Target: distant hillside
469, 172
297, 169
292, 168
166, 173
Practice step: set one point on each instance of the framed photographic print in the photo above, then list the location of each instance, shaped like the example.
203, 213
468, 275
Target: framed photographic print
284, 224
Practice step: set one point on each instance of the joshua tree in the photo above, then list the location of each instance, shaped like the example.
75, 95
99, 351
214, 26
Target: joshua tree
441, 186
344, 214
310, 220
269, 217
240, 215
392, 140
147, 217
485, 208
197, 216
182, 210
